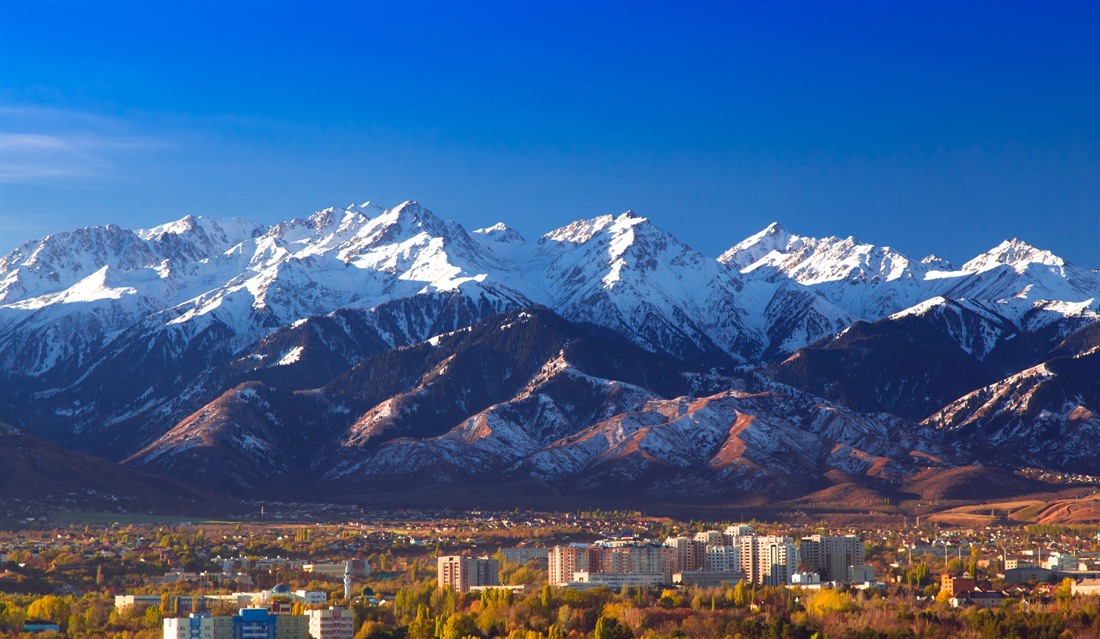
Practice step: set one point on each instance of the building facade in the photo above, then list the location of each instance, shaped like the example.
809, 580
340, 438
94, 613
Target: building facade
768, 560
458, 572
830, 556
331, 623
563, 561
254, 623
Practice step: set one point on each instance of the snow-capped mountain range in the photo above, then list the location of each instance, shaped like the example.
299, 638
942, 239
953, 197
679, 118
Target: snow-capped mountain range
114, 341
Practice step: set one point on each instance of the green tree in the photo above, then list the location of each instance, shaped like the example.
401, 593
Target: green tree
610, 628
423, 626
153, 618
740, 594
459, 626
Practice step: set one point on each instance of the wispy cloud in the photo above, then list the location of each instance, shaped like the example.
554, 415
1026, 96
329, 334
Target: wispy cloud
40, 145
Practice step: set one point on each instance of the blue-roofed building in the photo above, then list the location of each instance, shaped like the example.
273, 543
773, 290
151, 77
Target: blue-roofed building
40, 625
254, 623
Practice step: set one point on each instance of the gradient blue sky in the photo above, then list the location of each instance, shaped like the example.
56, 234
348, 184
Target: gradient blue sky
931, 127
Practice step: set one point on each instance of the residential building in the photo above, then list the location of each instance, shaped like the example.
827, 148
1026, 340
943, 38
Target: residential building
735, 532
688, 554
711, 537
769, 559
310, 597
524, 555
1086, 587
1062, 562
288, 626
254, 623
831, 556
977, 598
637, 559
565, 560
331, 623
954, 585
459, 573
722, 558
194, 626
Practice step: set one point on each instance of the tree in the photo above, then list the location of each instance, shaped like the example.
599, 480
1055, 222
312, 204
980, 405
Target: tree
423, 626
153, 617
52, 608
610, 628
825, 601
1064, 591
459, 626
740, 594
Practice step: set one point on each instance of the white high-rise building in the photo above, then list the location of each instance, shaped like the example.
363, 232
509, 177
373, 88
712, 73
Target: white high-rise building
195, 626
711, 537
768, 560
736, 531
723, 558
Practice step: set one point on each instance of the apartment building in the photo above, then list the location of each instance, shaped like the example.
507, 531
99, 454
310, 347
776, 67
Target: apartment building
768, 559
688, 554
459, 573
331, 623
720, 558
565, 560
711, 537
832, 557
254, 623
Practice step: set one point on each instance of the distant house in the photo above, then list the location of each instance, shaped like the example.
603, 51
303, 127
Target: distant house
954, 585
1086, 587
978, 598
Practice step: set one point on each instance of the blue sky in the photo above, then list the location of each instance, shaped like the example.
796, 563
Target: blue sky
930, 127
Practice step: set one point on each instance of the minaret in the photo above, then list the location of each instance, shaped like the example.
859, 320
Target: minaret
347, 580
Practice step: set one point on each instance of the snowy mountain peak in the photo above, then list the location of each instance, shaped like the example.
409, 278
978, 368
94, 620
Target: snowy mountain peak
368, 208
938, 263
409, 215
613, 236
774, 238
1015, 253
500, 232
183, 225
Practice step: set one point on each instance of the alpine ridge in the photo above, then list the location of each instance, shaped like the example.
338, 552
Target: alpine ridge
364, 345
